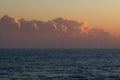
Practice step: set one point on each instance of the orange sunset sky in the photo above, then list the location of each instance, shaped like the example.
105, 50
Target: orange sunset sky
97, 13
64, 22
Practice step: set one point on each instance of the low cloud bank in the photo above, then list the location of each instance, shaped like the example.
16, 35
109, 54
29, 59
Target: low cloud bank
56, 33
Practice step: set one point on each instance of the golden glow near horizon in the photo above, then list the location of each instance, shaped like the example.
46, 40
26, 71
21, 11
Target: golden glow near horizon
97, 13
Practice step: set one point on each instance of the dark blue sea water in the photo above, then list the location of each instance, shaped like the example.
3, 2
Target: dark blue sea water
59, 64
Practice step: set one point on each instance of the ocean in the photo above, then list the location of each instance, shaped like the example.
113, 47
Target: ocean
59, 64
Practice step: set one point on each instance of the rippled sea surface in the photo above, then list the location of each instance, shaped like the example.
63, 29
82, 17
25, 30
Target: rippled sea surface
59, 64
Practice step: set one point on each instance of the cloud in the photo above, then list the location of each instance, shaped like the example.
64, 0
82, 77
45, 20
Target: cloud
69, 25
28, 25
7, 21
56, 33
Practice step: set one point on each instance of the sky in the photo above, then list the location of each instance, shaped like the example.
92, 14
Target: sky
98, 14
